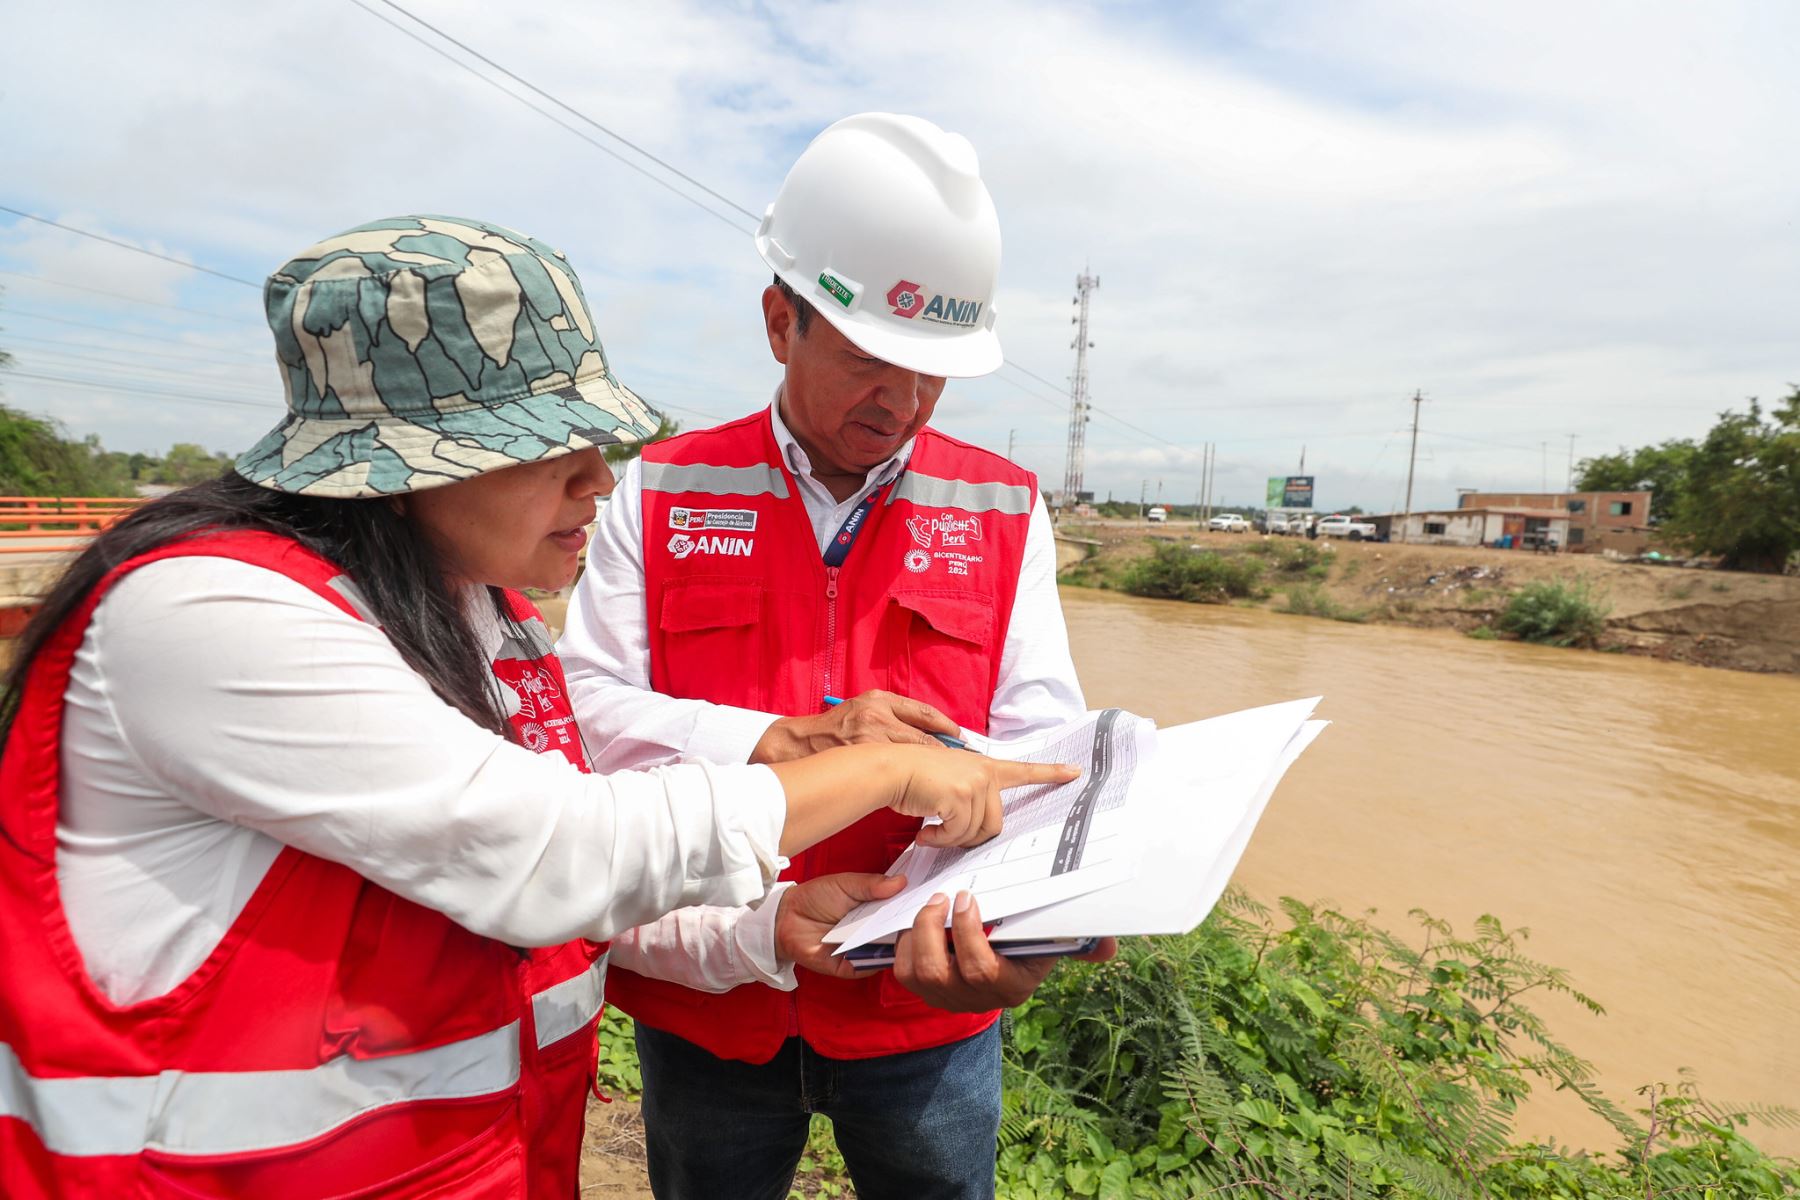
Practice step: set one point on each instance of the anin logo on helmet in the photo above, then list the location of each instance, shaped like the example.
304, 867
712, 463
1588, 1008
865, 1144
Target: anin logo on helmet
905, 299
915, 300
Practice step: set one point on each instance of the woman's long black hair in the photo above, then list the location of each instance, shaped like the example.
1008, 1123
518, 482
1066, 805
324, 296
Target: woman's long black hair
397, 570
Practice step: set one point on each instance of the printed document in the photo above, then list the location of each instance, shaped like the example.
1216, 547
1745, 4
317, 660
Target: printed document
1144, 842
1058, 841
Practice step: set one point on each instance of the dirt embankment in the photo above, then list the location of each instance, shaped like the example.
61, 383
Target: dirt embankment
1712, 618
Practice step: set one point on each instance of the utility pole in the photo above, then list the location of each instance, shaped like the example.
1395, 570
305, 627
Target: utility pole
1412, 459
1571, 483
1078, 391
1010, 435
1212, 459
1142, 488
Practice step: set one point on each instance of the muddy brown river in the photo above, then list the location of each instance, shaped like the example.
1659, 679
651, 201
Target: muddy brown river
1641, 818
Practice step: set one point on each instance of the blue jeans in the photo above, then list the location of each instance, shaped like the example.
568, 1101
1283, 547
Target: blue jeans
917, 1126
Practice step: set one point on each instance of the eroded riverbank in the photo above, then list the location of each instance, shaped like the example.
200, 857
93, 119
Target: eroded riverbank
1708, 618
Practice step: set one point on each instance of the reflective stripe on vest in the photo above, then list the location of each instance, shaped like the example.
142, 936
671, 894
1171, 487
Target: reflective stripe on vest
758, 480
1004, 498
564, 1008
234, 1112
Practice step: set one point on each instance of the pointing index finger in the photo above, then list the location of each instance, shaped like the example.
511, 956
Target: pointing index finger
1020, 774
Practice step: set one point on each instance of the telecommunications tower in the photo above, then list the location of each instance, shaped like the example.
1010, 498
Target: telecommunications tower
1078, 392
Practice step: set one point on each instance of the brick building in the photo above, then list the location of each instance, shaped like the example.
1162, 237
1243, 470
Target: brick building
1618, 521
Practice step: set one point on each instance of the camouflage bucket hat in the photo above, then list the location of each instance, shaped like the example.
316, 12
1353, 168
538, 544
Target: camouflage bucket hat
418, 351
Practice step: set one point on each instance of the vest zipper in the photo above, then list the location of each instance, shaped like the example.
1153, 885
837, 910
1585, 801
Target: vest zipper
831, 591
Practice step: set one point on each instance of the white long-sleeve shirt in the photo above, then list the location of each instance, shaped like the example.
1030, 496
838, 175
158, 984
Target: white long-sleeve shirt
605, 649
217, 711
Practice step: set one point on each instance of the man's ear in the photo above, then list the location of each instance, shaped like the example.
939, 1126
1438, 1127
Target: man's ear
780, 321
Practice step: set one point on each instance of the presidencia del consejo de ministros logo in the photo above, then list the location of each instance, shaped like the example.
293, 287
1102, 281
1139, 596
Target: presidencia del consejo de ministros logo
740, 520
909, 299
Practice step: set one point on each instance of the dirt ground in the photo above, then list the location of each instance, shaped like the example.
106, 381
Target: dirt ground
612, 1153
1708, 617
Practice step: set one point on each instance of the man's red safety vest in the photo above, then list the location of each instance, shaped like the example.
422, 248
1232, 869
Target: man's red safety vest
339, 1041
742, 610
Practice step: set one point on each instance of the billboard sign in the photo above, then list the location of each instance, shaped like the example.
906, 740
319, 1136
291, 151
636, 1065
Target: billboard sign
1290, 491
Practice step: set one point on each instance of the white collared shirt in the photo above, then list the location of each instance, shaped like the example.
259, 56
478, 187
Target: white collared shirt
217, 711
605, 649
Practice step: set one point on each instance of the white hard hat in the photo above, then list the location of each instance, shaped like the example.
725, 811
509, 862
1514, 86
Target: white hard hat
885, 226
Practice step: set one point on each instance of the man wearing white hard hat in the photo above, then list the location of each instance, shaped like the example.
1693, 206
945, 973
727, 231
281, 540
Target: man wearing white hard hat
832, 545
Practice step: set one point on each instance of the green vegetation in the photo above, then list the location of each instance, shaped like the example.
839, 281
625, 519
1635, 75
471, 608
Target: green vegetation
1311, 600
1485, 633
1317, 1056
1735, 493
1555, 613
1176, 573
38, 458
1292, 557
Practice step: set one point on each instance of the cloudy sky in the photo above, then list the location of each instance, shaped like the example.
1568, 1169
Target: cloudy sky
1553, 219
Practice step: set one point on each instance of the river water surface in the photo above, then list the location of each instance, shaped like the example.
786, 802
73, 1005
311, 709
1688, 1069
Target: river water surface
1641, 818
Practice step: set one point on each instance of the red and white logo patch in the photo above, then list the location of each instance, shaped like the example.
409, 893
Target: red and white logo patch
906, 299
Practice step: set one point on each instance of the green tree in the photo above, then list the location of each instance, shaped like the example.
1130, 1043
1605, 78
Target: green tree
1662, 469
1742, 498
618, 454
188, 463
36, 459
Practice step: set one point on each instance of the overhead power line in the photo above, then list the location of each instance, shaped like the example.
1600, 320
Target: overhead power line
100, 237
76, 287
71, 381
566, 107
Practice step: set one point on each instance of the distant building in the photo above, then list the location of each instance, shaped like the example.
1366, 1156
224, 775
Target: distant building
1519, 528
1618, 521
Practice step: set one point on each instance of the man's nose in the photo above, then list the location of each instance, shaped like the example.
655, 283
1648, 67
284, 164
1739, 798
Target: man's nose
901, 392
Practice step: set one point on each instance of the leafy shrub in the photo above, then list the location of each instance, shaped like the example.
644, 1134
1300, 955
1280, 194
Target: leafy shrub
1311, 600
1320, 1059
1329, 1059
1484, 633
1201, 576
1289, 557
1555, 613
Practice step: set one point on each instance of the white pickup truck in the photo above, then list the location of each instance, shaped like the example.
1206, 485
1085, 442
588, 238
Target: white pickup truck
1338, 525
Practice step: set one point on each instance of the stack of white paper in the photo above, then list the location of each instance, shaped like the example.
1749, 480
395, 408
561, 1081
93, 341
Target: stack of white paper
1144, 842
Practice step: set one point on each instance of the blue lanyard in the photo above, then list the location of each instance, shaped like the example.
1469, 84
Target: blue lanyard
838, 548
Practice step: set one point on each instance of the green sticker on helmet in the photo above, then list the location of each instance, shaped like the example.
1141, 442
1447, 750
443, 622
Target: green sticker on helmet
834, 287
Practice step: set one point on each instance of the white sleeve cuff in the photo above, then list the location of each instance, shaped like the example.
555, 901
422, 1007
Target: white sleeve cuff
758, 801
726, 735
754, 937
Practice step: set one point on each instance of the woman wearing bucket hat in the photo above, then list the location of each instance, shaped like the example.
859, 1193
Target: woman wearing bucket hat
303, 882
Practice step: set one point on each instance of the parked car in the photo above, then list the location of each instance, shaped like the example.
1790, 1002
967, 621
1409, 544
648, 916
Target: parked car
1228, 523
1157, 515
1338, 525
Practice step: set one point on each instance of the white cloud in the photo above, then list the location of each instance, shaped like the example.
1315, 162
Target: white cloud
1554, 220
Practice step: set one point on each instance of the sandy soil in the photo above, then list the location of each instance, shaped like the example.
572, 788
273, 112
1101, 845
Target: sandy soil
1712, 618
612, 1154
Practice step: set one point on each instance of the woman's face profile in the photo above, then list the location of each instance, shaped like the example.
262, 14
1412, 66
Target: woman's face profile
519, 527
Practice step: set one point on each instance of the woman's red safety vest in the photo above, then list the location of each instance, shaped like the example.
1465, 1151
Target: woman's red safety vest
742, 610
339, 1041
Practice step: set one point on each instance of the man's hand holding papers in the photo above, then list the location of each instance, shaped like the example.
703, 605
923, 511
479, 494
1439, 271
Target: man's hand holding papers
974, 978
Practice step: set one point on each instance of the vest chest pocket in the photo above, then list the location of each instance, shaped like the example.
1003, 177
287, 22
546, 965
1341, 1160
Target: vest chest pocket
709, 641
947, 654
